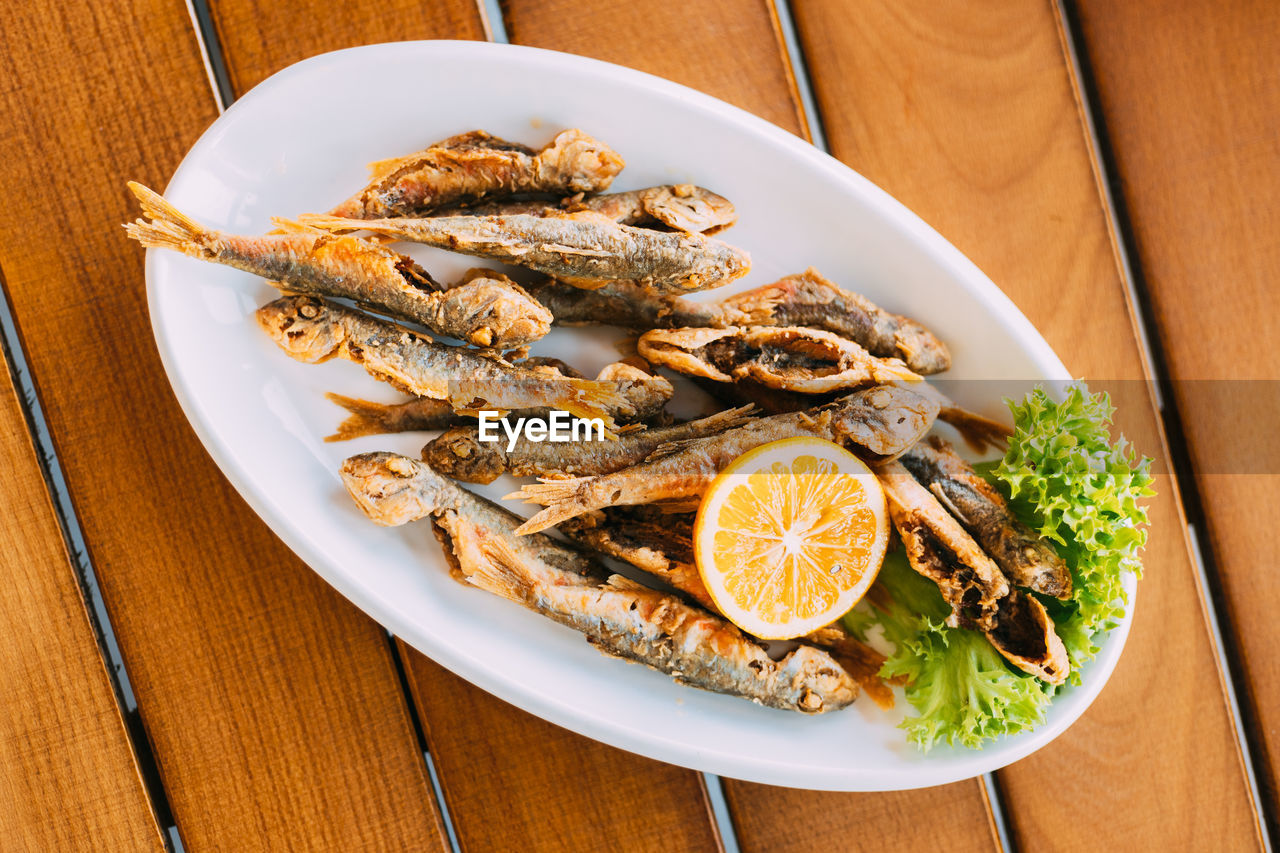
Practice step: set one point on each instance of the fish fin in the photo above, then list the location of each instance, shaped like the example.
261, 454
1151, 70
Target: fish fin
594, 399
170, 228
670, 448
501, 572
977, 431
560, 499
290, 226
367, 418
620, 582
328, 222
756, 307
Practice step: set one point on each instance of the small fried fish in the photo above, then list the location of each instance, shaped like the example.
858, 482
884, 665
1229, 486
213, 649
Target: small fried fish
878, 423
584, 249
646, 394
461, 454
1025, 558
680, 207
313, 330
619, 617
970, 582
662, 545
476, 165
789, 358
979, 595
806, 299
485, 308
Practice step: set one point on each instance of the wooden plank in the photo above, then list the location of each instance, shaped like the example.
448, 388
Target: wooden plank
273, 706
734, 51
1196, 155
782, 820
259, 37
967, 113
536, 768
68, 777
559, 791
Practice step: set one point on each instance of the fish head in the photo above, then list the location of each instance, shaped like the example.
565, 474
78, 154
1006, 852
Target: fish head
881, 422
392, 489
459, 453
491, 310
304, 327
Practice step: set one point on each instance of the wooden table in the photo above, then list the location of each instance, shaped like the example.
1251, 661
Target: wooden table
1112, 166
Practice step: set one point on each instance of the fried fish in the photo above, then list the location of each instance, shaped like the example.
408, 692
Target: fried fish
584, 249
807, 299
460, 453
679, 207
476, 165
485, 308
619, 617
878, 423
1025, 558
313, 330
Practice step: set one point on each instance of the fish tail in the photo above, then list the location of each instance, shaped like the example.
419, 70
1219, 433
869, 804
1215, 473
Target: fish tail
170, 228
561, 499
977, 431
367, 418
501, 572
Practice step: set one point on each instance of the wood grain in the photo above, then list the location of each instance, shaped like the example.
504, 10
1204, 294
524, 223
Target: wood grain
734, 51
788, 820
259, 37
1196, 157
272, 705
68, 778
558, 791
967, 113
536, 767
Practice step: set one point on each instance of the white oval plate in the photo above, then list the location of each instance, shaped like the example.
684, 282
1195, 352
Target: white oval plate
299, 142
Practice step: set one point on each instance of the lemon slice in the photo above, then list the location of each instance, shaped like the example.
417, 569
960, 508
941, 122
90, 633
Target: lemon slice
790, 536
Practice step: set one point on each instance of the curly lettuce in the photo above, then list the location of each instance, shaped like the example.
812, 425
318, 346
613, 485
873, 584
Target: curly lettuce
1066, 479
962, 690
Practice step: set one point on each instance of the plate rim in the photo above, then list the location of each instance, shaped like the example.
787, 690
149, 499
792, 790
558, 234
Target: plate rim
543, 703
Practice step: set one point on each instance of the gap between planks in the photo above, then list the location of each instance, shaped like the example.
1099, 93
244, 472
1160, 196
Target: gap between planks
1222, 633
86, 578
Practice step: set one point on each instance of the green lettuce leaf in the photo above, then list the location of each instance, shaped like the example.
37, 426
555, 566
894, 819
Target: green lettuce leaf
962, 690
1065, 478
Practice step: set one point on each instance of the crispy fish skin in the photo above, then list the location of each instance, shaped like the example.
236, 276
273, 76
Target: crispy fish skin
619, 617
939, 548
809, 299
644, 395
878, 423
645, 537
806, 299
1025, 558
979, 595
662, 545
681, 207
313, 330
485, 308
584, 249
789, 358
459, 452
476, 165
